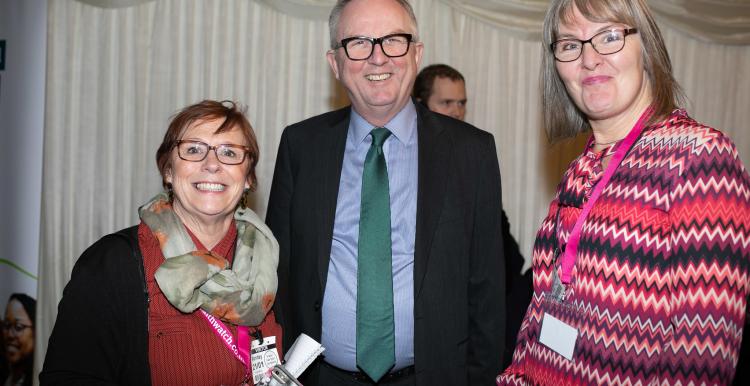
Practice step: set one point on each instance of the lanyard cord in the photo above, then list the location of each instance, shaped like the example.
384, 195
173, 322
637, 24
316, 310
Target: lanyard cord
570, 250
241, 349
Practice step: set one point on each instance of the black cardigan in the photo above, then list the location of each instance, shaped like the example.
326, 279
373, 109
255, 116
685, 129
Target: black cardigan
101, 333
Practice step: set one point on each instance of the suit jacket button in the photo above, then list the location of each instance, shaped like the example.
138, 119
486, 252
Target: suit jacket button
317, 306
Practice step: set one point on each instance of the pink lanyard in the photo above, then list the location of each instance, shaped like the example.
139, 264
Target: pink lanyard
241, 350
571, 249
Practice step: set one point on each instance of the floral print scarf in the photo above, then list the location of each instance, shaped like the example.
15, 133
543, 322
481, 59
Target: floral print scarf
240, 294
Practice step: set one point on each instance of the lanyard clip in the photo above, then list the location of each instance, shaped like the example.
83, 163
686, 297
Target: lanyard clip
280, 376
257, 334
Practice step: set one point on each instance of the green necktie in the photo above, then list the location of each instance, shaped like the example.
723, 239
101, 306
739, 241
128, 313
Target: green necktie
376, 352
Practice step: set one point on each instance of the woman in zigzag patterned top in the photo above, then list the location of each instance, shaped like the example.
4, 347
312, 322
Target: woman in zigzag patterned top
641, 265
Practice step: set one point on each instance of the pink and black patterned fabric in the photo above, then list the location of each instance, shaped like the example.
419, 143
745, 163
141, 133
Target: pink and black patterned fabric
661, 276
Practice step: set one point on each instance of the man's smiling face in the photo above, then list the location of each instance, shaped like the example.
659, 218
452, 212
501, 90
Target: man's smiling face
380, 86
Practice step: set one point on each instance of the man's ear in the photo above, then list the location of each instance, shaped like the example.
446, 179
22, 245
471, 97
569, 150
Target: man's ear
419, 50
331, 56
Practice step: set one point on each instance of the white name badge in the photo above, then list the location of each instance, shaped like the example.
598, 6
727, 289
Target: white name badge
558, 335
264, 357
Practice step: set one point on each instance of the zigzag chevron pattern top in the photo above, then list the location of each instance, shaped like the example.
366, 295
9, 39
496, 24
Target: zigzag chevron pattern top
661, 277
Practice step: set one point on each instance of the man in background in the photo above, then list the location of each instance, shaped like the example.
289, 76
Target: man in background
442, 89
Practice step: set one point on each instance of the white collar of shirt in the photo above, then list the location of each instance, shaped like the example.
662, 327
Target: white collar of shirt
403, 126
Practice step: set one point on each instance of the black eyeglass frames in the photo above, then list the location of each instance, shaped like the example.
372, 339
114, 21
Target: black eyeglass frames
605, 43
362, 47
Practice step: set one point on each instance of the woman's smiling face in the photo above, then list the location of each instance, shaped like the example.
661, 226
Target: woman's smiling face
208, 191
604, 87
18, 333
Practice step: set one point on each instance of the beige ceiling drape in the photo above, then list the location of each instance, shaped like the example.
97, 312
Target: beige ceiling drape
717, 21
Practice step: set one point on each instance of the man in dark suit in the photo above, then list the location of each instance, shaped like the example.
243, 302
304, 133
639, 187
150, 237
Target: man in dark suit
438, 315
442, 89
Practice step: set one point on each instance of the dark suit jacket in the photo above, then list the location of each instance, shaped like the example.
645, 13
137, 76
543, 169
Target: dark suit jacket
459, 310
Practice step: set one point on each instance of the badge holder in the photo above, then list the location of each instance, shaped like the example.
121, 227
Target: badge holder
558, 289
301, 354
554, 333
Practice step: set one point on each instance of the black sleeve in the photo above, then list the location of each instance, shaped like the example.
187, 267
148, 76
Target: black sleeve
279, 221
100, 335
513, 259
486, 286
518, 290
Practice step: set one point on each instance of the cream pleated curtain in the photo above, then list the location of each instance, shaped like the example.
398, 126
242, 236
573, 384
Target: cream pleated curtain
118, 69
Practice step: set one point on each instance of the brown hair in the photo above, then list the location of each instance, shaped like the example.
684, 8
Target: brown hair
234, 117
335, 16
561, 118
426, 79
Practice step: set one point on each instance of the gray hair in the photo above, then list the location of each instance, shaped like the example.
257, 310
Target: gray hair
333, 19
562, 118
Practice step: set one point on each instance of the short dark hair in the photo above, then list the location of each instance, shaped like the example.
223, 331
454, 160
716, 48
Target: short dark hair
234, 116
28, 303
426, 78
561, 117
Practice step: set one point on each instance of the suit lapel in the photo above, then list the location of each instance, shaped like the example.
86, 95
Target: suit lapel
434, 152
333, 146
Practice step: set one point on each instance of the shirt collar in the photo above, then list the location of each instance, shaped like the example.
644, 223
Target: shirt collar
403, 126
